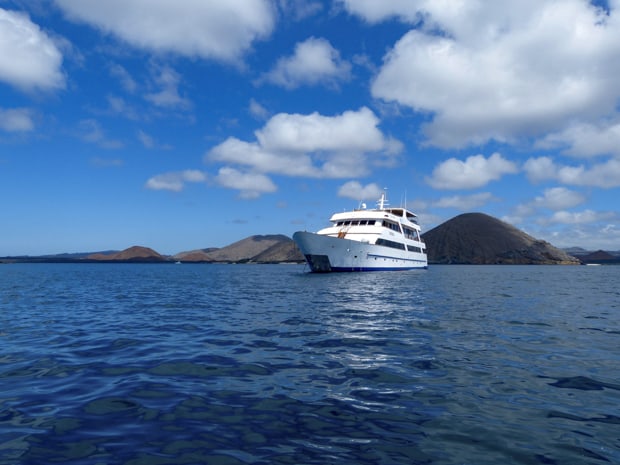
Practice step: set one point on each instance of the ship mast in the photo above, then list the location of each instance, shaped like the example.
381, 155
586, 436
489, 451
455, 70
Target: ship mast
382, 202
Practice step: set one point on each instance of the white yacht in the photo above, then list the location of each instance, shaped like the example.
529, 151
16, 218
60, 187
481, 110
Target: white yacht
383, 238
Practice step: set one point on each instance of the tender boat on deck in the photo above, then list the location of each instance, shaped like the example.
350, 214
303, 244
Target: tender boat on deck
383, 238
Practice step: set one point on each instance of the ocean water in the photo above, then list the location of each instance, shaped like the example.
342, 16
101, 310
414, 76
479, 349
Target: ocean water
260, 364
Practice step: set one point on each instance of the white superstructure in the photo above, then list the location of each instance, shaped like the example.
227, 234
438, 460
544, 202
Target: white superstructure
383, 238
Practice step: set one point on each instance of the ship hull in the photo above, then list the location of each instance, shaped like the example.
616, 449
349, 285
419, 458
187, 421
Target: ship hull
331, 254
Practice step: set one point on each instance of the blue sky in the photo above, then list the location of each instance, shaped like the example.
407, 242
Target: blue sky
186, 124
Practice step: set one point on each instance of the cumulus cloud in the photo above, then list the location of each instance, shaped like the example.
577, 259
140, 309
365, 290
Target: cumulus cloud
249, 185
583, 217
559, 198
29, 58
314, 62
16, 120
556, 199
217, 30
585, 140
175, 181
312, 145
499, 70
476, 171
604, 175
355, 190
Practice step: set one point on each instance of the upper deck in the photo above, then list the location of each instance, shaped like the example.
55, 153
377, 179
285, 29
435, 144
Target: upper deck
377, 214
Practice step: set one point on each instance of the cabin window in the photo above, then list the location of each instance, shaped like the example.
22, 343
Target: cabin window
391, 225
391, 244
411, 234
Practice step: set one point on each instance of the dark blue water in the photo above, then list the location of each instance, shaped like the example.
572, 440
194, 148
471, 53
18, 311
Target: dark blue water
242, 364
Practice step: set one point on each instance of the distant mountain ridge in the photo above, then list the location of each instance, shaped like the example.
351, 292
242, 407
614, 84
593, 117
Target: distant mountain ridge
470, 238
599, 256
477, 238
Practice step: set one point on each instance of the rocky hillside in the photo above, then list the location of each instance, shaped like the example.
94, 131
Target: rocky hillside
256, 249
476, 238
195, 256
285, 251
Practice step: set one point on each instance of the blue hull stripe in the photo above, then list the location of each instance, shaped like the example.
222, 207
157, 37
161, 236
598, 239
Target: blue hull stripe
342, 269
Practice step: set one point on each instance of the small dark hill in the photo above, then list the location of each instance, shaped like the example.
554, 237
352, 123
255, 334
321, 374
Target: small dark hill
477, 238
600, 256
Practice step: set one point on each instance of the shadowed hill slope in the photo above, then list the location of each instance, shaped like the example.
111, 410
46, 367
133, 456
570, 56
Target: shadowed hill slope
273, 248
477, 238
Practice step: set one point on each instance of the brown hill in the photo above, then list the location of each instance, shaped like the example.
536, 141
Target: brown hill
476, 238
247, 249
285, 251
195, 256
275, 248
132, 254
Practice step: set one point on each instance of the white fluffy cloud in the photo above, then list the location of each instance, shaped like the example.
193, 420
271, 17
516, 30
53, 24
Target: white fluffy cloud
556, 199
583, 217
29, 58
559, 198
312, 145
16, 120
499, 70
217, 29
586, 140
476, 171
250, 185
314, 62
355, 190
175, 181
604, 175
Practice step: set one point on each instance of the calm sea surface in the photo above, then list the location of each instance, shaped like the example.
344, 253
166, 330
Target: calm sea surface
241, 364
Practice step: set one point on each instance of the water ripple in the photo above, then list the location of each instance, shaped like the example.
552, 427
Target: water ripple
154, 364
